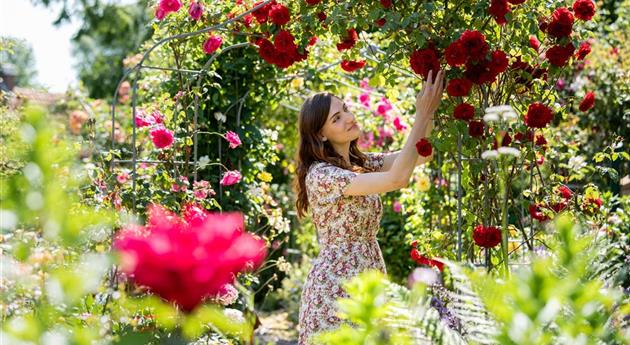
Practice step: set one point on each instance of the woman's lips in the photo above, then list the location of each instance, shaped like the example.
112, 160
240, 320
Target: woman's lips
353, 127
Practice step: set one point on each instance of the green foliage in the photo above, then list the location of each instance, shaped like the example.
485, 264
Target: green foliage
18, 54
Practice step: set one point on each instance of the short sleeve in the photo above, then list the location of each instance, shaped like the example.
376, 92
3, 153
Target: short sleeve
326, 183
375, 160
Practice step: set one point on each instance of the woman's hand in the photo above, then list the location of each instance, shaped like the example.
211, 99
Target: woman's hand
428, 99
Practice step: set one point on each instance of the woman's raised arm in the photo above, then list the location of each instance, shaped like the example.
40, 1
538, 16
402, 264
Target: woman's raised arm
398, 174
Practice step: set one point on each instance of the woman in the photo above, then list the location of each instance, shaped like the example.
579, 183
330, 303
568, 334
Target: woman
341, 185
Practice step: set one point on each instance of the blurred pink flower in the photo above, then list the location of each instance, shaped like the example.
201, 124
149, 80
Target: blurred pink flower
212, 44
364, 99
162, 137
398, 124
186, 260
396, 206
123, 177
233, 139
230, 178
195, 10
365, 84
201, 189
383, 107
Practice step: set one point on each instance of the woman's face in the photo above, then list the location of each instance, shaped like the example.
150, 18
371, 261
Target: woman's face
341, 126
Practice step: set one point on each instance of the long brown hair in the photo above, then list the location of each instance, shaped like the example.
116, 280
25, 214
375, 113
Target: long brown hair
313, 116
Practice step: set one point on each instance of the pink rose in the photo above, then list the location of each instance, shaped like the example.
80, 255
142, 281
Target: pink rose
399, 125
201, 251
233, 139
212, 44
364, 99
195, 10
161, 137
167, 6
230, 178
397, 207
123, 177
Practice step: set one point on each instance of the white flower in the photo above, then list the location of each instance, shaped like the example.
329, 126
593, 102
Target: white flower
499, 109
491, 117
220, 117
577, 162
203, 162
510, 151
510, 116
490, 154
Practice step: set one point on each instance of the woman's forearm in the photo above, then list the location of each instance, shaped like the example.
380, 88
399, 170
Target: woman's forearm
406, 160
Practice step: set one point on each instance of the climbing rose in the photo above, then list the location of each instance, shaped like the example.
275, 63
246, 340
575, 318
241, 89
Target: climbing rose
486, 237
536, 213
585, 49
498, 9
396, 206
267, 50
201, 189
322, 16
561, 23
538, 115
386, 3
464, 112
349, 41
284, 42
499, 62
201, 252
233, 139
279, 14
161, 137
212, 44
351, 66
262, 13
458, 87
168, 6
313, 2
159, 13
424, 60
565, 192
480, 72
425, 261
534, 42
424, 148
455, 54
380, 22
588, 101
195, 10
230, 178
584, 9
559, 55
474, 43
475, 128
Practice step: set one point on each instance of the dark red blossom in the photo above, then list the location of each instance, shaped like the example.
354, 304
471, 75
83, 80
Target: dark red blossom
585, 49
538, 115
279, 14
424, 148
351, 66
498, 9
486, 236
458, 87
560, 55
349, 41
534, 42
455, 54
474, 43
475, 128
464, 112
424, 60
425, 261
561, 23
536, 212
588, 101
584, 9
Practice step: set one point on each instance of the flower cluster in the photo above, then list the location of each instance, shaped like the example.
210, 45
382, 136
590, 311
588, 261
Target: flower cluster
486, 236
200, 251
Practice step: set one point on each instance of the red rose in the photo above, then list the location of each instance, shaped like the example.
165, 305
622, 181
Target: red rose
474, 43
423, 260
559, 55
262, 13
536, 213
424, 60
506, 140
279, 14
284, 60
313, 2
380, 22
284, 42
585, 49
498, 9
540, 140
558, 207
351, 66
534, 42
349, 41
479, 72
588, 101
464, 112
499, 62
516, 2
458, 87
267, 50
538, 115
561, 23
321, 16
475, 128
486, 237
584, 9
424, 148
455, 54
565, 192
386, 3
312, 41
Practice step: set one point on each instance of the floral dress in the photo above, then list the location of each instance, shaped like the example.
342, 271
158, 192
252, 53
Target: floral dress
346, 228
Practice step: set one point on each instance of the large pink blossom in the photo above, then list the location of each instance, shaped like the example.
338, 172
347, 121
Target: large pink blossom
187, 259
195, 10
231, 177
161, 137
400, 126
233, 139
167, 6
212, 44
